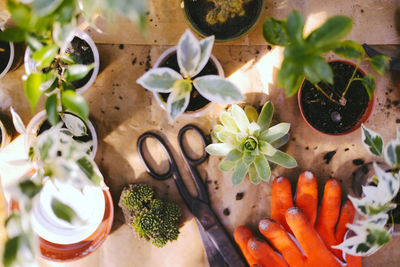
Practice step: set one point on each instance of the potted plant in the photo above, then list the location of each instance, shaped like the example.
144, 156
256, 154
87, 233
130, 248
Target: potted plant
82, 131
226, 20
334, 97
48, 28
184, 67
377, 205
56, 201
249, 143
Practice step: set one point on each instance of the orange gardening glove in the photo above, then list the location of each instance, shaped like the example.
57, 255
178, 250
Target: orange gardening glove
310, 236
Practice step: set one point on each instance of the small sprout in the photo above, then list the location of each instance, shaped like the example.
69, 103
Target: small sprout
249, 143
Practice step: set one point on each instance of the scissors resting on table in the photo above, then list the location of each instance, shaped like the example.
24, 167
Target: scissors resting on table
218, 246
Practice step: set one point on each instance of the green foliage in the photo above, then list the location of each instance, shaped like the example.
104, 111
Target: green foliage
62, 211
153, 219
248, 142
303, 54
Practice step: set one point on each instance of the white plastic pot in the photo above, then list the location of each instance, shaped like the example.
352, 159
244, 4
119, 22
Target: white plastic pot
30, 64
37, 121
89, 205
186, 114
10, 60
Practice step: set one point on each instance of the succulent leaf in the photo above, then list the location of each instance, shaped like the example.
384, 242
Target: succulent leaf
240, 118
239, 172
221, 149
179, 99
228, 121
189, 54
159, 80
283, 159
217, 89
254, 178
275, 132
262, 167
206, 46
265, 118
251, 113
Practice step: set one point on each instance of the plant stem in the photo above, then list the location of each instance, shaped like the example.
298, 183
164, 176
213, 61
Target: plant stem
350, 81
325, 94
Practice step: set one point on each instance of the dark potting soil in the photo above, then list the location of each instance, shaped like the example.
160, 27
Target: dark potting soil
196, 11
81, 49
197, 101
4, 55
396, 211
46, 125
327, 116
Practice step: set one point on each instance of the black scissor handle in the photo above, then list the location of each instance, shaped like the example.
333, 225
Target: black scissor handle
149, 169
181, 133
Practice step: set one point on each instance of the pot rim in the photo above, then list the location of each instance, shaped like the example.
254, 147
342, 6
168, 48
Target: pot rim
365, 116
256, 21
30, 64
39, 118
10, 60
187, 114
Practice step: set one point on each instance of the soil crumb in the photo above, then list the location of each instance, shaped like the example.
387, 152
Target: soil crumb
328, 156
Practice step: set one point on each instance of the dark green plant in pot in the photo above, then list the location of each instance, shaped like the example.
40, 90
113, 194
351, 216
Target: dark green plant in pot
303, 54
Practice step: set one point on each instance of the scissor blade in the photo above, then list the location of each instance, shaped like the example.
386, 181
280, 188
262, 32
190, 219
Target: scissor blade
213, 256
391, 51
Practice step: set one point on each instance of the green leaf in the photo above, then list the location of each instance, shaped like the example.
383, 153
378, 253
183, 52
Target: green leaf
77, 72
45, 56
372, 141
267, 148
254, 178
234, 155
380, 63
228, 122
63, 211
226, 166
44, 148
392, 153
251, 113
32, 89
217, 89
66, 11
290, 77
29, 188
332, 31
14, 34
88, 168
263, 168
265, 118
159, 80
239, 173
283, 159
17, 122
275, 132
294, 26
51, 109
179, 99
349, 49
240, 118
248, 158
21, 13
76, 104
11, 251
369, 83
220, 149
274, 32
45, 7
317, 69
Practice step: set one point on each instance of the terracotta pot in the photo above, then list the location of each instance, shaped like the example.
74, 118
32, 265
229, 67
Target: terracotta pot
364, 118
36, 122
186, 114
239, 33
30, 63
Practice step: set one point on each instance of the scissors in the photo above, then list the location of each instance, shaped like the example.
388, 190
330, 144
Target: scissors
219, 248
371, 52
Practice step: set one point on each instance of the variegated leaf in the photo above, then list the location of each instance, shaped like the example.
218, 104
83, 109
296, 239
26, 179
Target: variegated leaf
159, 80
206, 46
179, 99
189, 54
372, 141
217, 89
74, 124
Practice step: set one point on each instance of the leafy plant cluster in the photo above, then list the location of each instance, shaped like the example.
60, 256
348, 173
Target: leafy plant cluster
248, 142
54, 155
152, 218
303, 55
371, 230
47, 27
193, 56
225, 9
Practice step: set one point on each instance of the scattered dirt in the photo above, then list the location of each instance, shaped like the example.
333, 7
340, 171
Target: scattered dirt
239, 196
227, 212
328, 156
358, 162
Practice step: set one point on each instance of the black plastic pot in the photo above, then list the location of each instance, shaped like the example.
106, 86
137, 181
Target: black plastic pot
236, 25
